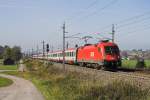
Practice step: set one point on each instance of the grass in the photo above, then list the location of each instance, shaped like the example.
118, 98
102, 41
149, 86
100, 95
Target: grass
147, 63
129, 63
1, 61
5, 82
132, 63
54, 84
8, 67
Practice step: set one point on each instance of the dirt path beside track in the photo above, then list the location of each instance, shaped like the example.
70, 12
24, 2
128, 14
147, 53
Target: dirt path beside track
21, 89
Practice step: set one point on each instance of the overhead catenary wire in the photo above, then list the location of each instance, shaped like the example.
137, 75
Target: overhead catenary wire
125, 20
133, 32
92, 13
83, 11
99, 10
132, 22
133, 26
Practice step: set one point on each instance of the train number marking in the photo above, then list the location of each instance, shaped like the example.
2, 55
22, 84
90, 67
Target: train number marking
92, 54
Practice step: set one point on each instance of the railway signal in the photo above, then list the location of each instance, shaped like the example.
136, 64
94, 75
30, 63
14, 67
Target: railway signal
43, 42
47, 47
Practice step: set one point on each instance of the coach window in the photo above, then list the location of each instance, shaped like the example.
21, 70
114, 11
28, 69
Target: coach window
71, 54
67, 54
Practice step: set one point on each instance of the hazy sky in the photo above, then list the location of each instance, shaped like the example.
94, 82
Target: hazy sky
27, 22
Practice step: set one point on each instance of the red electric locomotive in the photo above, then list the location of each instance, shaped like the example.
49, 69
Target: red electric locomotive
104, 54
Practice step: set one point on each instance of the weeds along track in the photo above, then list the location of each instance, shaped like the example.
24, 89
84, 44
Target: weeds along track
140, 79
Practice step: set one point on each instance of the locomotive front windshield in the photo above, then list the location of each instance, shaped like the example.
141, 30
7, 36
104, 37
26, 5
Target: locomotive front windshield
111, 50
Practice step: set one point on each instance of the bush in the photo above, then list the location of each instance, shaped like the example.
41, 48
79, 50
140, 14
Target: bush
140, 63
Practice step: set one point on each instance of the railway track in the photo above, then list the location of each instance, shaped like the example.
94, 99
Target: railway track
139, 77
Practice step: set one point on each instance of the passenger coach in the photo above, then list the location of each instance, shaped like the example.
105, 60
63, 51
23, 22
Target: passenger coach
70, 56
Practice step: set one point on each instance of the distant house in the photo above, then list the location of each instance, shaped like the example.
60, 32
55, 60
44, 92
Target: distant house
8, 61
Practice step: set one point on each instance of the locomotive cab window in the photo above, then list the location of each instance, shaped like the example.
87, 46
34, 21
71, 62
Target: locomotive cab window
111, 50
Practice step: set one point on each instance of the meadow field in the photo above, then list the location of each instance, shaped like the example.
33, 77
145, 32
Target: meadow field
55, 84
8, 67
132, 63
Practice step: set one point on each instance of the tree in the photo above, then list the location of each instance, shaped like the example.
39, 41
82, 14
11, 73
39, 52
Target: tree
12, 53
16, 53
7, 53
1, 52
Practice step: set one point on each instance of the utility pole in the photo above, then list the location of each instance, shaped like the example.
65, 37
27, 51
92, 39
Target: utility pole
64, 31
113, 33
43, 48
37, 51
32, 52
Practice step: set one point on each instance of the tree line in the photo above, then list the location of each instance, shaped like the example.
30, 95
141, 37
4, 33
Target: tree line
13, 53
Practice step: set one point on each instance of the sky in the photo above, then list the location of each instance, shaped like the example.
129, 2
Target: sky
27, 23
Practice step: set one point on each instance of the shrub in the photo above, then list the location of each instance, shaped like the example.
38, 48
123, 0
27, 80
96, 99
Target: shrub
140, 63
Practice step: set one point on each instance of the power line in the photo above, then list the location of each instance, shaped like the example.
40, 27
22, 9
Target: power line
92, 4
99, 10
130, 32
134, 17
81, 12
133, 22
135, 26
127, 20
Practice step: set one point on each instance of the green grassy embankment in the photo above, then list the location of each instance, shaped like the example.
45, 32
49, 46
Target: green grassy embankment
8, 67
132, 63
54, 84
5, 82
